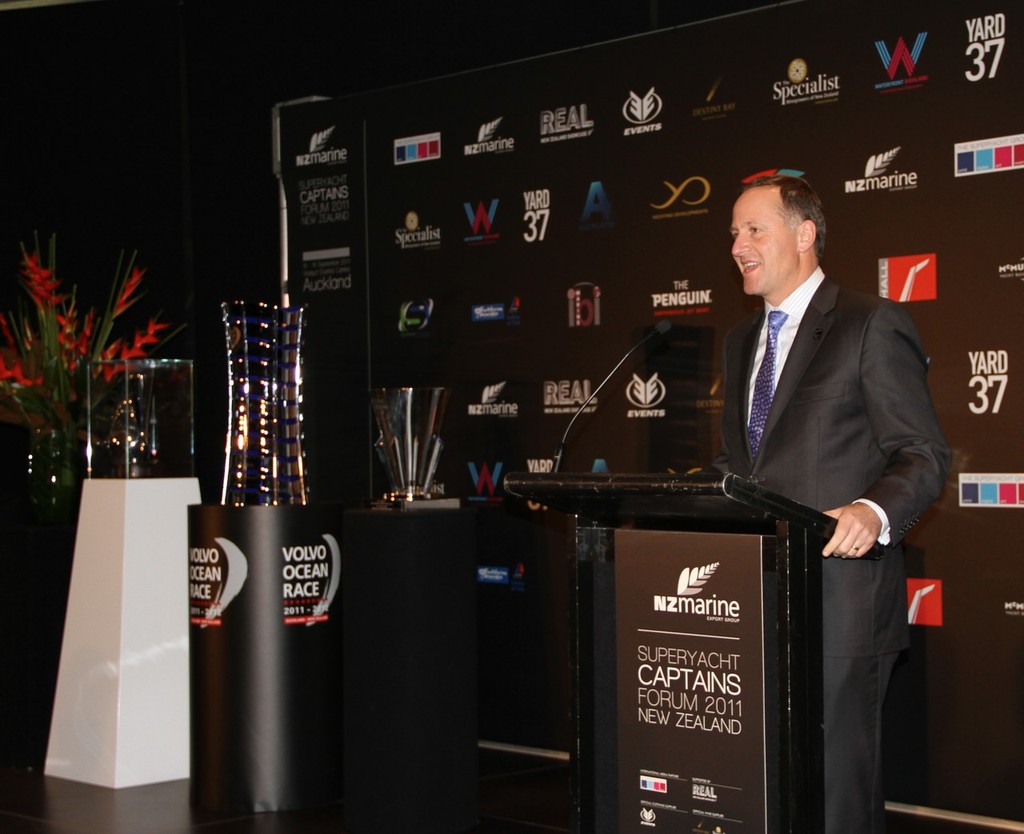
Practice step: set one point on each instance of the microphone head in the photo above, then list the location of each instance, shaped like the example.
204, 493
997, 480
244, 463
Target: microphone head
663, 326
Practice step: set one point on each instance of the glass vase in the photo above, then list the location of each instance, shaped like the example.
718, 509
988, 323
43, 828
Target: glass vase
53, 475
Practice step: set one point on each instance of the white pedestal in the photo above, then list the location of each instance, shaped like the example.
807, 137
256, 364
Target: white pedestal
121, 709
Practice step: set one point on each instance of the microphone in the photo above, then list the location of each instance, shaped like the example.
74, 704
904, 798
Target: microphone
659, 329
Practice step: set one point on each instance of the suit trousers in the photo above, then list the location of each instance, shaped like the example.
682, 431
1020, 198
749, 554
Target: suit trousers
854, 692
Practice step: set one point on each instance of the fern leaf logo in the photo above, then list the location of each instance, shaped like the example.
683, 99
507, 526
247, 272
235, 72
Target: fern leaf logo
692, 580
491, 393
318, 141
487, 129
642, 109
879, 163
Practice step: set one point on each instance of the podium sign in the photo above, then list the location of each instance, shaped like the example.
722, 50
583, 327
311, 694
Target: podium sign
696, 652
691, 694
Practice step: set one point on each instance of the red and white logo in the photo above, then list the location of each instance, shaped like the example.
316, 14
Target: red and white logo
924, 601
908, 277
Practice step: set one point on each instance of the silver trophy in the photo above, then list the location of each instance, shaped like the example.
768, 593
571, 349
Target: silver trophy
409, 445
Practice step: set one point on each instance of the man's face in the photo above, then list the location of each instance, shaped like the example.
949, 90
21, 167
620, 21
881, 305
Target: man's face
767, 251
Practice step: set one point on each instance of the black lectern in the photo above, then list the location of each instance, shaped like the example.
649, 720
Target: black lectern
696, 652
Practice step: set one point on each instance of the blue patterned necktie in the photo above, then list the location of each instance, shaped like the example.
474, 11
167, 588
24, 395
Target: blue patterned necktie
764, 385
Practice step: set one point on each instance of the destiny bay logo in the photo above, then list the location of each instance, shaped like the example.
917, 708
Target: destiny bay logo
687, 599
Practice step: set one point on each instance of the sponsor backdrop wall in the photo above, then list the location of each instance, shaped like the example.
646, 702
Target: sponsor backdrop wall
510, 232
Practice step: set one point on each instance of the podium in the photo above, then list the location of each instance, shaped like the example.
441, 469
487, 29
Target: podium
696, 652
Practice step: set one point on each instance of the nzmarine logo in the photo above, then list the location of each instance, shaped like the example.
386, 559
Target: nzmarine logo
319, 153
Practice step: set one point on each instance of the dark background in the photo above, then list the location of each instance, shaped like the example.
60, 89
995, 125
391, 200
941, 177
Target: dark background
146, 124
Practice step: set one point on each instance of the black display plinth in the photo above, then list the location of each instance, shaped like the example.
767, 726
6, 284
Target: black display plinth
410, 711
265, 641
652, 646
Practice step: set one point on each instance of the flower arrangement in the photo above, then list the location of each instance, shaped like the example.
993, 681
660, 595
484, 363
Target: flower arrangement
47, 345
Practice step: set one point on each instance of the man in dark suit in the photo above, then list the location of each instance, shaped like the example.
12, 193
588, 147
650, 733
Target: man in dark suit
851, 431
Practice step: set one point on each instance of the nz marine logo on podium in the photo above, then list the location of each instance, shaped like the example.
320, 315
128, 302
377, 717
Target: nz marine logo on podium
310, 577
687, 599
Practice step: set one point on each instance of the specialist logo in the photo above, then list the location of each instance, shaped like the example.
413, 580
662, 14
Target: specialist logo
422, 148
584, 301
641, 112
565, 123
908, 278
989, 156
492, 404
413, 235
799, 88
879, 177
990, 373
488, 141
481, 222
901, 60
1003, 490
685, 199
645, 395
537, 212
320, 152
924, 602
986, 37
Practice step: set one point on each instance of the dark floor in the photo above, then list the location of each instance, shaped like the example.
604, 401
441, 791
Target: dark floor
519, 794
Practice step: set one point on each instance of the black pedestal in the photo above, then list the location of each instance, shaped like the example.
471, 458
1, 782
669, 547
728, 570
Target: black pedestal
410, 688
265, 654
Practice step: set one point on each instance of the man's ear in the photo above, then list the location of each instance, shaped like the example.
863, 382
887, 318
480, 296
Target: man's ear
807, 233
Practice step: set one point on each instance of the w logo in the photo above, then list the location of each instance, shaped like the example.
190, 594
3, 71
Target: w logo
485, 482
901, 55
480, 221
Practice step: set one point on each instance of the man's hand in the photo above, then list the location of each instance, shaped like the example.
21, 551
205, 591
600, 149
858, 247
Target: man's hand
857, 529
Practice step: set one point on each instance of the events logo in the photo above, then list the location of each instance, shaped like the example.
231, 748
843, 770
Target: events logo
481, 221
901, 57
989, 156
645, 395
597, 210
990, 372
991, 490
537, 212
421, 148
320, 152
487, 140
711, 109
798, 88
640, 112
681, 301
986, 37
565, 123
878, 177
414, 316
908, 278
684, 199
485, 483
491, 403
924, 602
584, 304
414, 236
564, 396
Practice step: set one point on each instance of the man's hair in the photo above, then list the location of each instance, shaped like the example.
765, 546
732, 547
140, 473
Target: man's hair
799, 202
